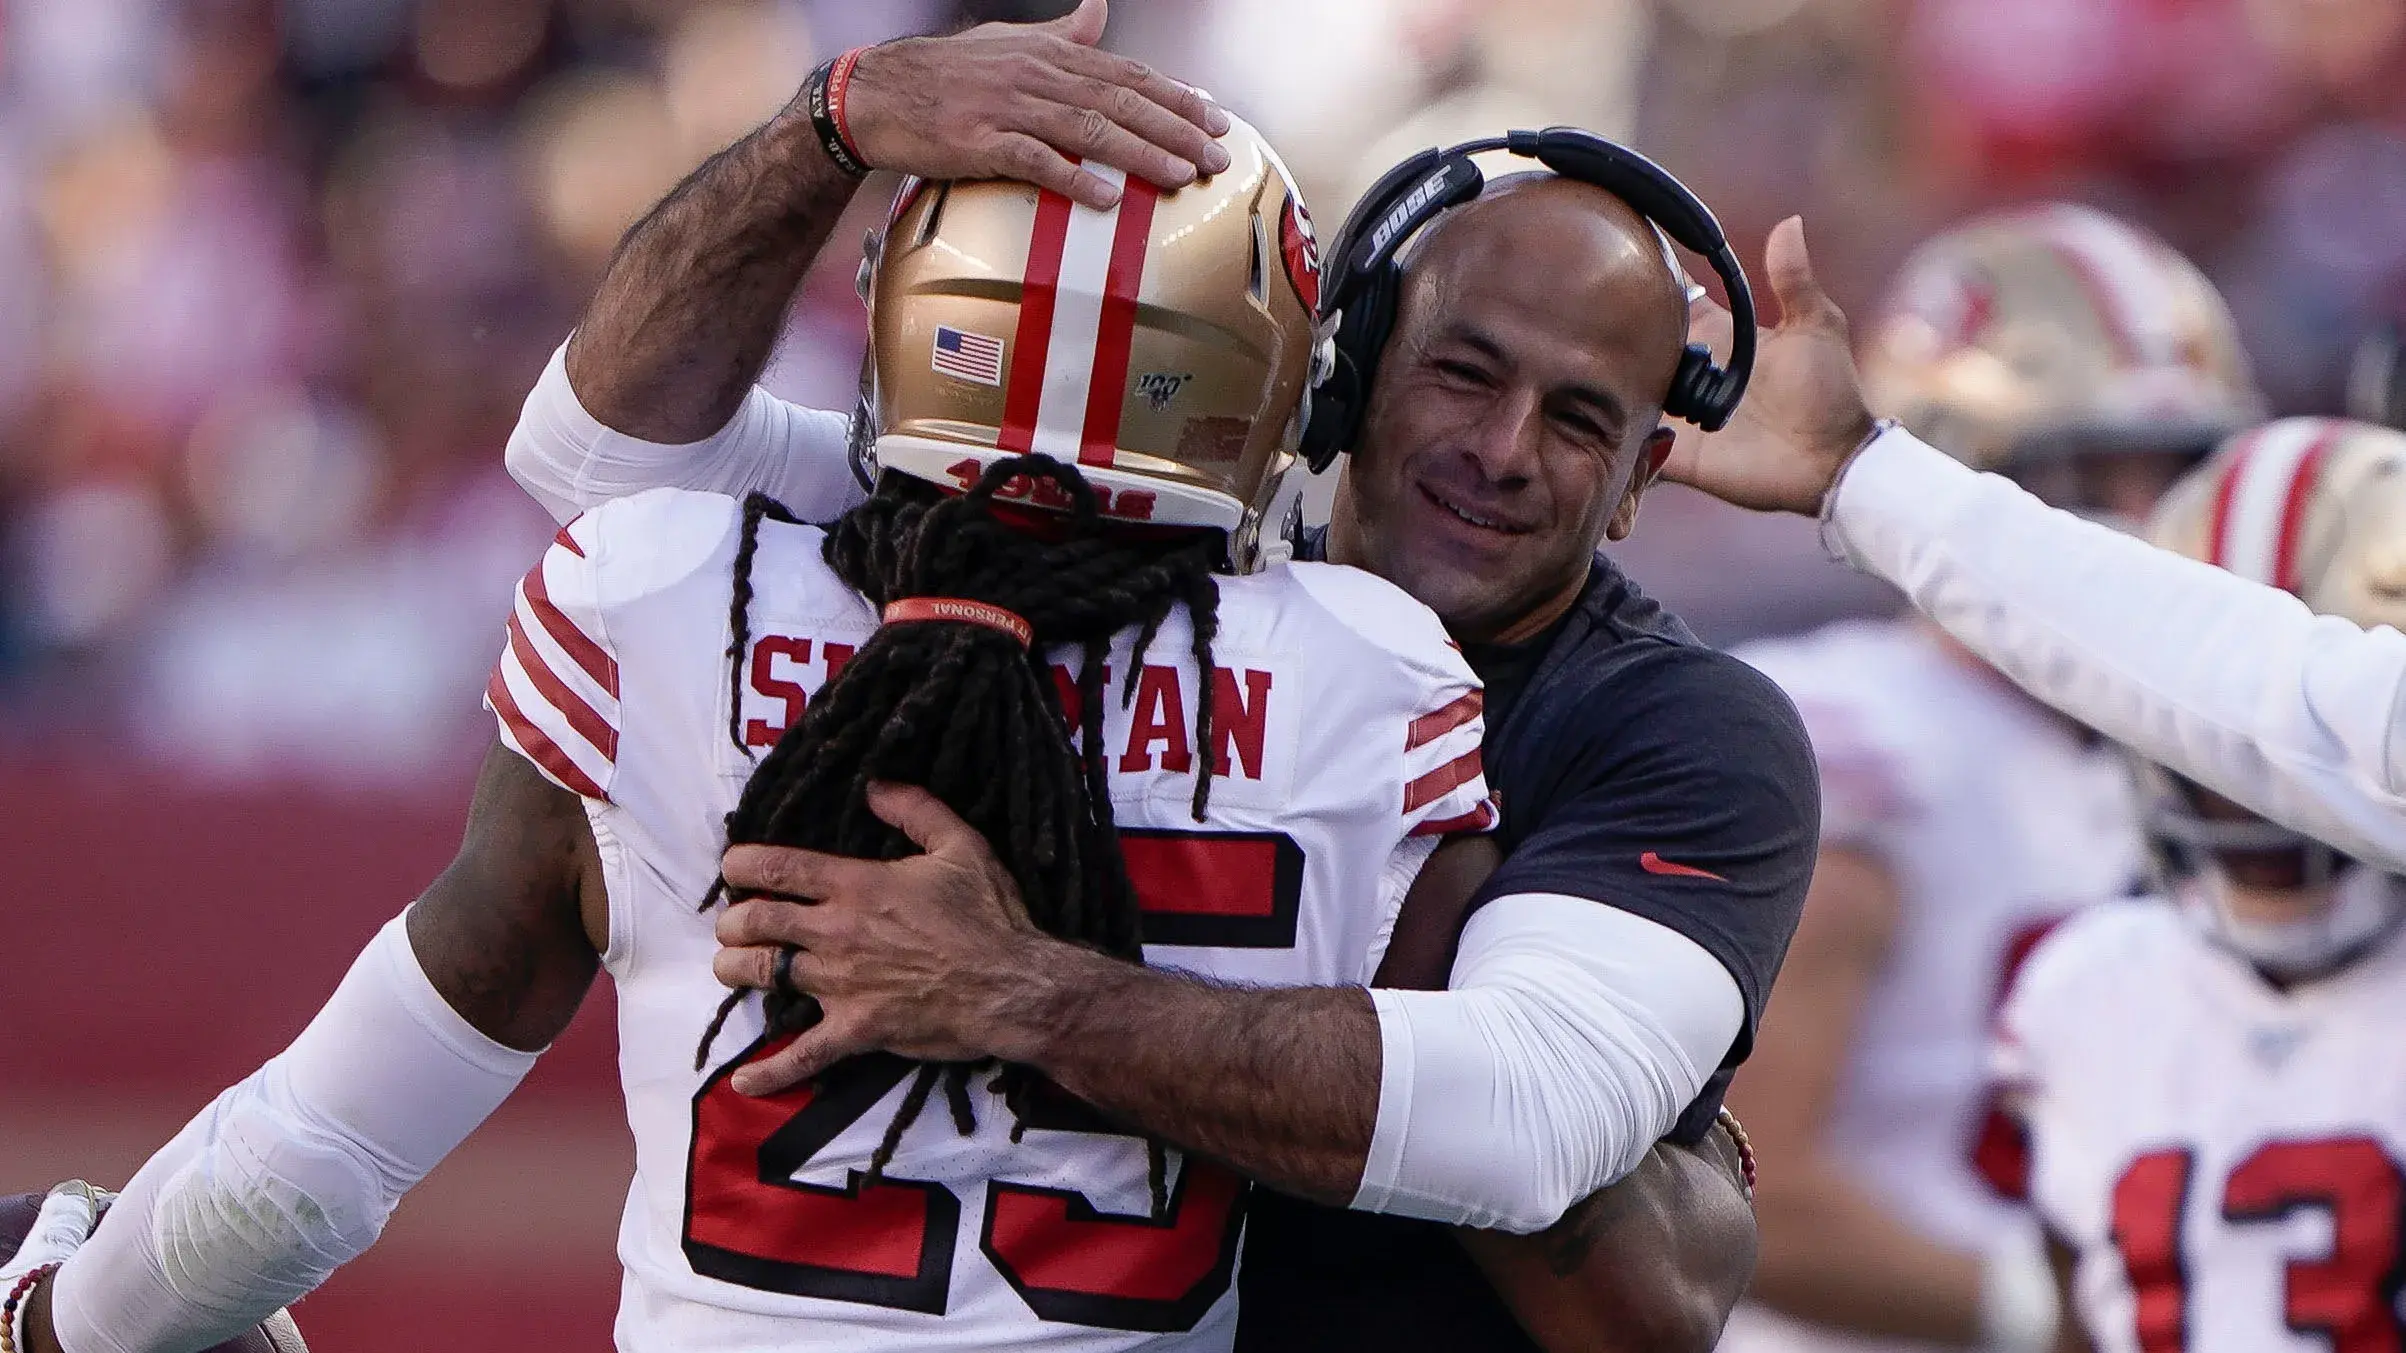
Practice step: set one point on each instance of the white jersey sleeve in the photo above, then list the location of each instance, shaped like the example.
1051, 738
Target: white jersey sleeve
555, 691
2229, 682
1848, 683
571, 463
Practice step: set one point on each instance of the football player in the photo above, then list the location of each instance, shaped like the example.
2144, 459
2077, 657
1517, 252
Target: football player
2212, 1079
2089, 361
1045, 648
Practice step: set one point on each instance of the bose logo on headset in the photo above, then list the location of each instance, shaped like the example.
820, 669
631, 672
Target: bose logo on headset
1362, 289
1406, 210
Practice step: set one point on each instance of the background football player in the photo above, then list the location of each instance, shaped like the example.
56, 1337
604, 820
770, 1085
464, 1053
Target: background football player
682, 669
2212, 1079
2091, 362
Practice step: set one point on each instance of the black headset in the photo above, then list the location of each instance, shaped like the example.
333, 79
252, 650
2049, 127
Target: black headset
1364, 281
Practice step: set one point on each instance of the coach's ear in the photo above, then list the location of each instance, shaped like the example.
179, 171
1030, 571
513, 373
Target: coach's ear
1651, 454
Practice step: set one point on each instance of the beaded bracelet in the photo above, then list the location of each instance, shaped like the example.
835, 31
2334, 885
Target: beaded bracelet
823, 95
1737, 1134
15, 1301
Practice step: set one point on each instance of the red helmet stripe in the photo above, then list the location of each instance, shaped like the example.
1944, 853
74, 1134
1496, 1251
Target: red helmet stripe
1023, 400
2103, 298
2218, 527
2293, 512
2260, 505
1115, 334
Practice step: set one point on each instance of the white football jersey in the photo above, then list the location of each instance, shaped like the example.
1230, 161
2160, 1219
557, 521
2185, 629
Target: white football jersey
2225, 1158
1348, 732
1997, 818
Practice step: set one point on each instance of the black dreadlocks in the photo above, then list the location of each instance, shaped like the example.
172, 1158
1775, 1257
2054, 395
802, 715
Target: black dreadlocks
973, 717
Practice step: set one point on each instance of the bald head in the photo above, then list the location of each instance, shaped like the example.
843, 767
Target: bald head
1517, 412
1567, 235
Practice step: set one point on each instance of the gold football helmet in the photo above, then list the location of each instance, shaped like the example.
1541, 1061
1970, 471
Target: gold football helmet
2049, 332
2313, 506
1166, 347
2316, 507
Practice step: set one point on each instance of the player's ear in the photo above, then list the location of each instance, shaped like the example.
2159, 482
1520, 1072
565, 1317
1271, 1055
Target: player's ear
1651, 455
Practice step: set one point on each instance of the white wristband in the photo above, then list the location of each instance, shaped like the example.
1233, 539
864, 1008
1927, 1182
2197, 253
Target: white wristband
2019, 1307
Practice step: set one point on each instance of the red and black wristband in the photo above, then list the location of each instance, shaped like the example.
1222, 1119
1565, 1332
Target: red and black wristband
823, 96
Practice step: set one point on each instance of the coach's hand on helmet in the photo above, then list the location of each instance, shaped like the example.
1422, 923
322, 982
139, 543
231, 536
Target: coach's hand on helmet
1020, 100
1803, 415
921, 956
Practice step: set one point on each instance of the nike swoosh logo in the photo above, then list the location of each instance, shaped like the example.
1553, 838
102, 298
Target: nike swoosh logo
1656, 864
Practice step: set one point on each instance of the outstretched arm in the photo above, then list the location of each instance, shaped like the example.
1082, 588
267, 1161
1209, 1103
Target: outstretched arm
2233, 684
293, 1172
657, 387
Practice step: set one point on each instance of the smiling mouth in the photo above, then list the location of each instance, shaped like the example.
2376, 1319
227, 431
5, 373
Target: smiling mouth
1473, 518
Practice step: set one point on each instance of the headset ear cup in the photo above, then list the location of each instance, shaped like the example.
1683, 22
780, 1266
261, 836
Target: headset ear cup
1340, 403
1332, 415
1691, 384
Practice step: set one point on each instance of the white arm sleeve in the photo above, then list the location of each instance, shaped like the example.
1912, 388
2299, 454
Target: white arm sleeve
1573, 1036
571, 463
2231, 683
291, 1173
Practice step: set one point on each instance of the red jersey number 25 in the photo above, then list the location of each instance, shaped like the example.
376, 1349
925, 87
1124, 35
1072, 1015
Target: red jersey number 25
891, 1243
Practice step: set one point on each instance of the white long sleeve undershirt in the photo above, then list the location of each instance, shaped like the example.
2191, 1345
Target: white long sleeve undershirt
291, 1173
570, 462
1571, 1037
2232, 684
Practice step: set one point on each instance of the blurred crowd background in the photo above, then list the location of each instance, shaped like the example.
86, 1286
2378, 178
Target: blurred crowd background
276, 274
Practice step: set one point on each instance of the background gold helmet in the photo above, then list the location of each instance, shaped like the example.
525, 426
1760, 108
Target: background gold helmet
1165, 346
2313, 506
2317, 508
2053, 330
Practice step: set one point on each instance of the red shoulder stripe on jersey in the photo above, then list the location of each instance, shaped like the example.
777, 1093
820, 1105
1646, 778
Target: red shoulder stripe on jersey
568, 542
534, 743
2293, 512
581, 716
589, 655
1437, 723
1107, 389
1442, 781
1479, 819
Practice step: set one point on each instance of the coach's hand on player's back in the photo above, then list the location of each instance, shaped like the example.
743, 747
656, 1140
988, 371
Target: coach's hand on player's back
923, 956
1803, 415
1025, 101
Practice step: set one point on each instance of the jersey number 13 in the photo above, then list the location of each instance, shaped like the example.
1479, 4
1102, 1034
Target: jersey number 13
2348, 1296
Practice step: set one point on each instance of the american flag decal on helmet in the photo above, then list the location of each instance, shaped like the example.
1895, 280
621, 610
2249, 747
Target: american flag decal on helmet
966, 356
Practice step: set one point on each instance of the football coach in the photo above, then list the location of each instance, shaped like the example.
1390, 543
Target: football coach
1509, 353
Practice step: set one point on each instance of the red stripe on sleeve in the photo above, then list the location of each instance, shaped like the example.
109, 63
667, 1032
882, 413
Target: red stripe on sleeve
1442, 781
2293, 512
568, 542
1437, 723
1107, 389
1023, 399
1479, 819
538, 746
581, 716
589, 655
